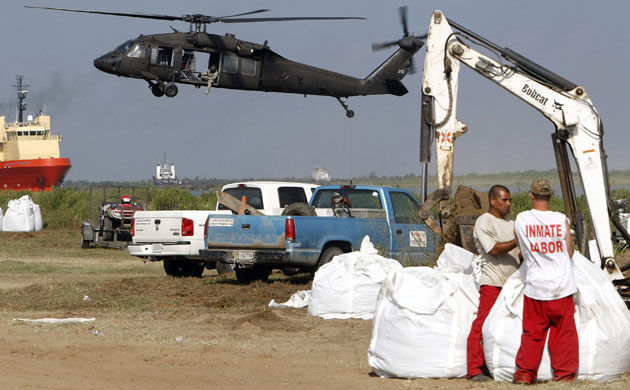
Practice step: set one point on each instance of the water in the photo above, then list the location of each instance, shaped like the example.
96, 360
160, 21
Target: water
557, 191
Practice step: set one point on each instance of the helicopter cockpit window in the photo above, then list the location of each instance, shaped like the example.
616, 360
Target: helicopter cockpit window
230, 63
162, 55
248, 66
136, 51
122, 49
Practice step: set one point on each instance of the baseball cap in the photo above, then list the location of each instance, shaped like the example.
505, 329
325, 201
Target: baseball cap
540, 187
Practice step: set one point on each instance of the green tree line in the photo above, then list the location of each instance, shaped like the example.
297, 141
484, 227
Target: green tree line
67, 208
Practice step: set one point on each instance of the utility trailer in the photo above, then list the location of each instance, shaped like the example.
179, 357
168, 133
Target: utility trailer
111, 209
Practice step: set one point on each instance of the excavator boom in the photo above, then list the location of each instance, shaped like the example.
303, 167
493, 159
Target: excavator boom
577, 124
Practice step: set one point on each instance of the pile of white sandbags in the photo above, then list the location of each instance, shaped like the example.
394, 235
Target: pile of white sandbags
423, 317
22, 216
601, 317
348, 286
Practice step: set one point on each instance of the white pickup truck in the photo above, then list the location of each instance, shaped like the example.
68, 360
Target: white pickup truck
176, 236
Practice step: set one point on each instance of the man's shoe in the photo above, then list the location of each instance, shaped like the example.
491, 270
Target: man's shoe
480, 378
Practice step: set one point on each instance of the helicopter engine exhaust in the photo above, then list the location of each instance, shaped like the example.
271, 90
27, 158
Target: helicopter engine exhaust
203, 40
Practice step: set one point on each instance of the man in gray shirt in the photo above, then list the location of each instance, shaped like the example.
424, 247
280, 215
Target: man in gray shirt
496, 244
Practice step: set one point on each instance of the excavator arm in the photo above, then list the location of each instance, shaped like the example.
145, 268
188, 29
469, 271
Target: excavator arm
565, 104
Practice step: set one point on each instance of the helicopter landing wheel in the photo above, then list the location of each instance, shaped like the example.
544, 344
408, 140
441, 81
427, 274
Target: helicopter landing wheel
156, 90
342, 101
170, 90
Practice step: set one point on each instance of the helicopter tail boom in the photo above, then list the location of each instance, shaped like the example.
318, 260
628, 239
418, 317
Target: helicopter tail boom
386, 79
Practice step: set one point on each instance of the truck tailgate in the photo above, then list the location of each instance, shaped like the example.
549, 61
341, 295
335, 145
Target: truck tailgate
161, 226
250, 231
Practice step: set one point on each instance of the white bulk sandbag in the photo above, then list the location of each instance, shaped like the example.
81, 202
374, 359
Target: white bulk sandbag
423, 318
1, 218
348, 286
601, 317
457, 259
19, 216
37, 215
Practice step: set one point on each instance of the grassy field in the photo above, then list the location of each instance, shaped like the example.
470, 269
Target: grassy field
112, 278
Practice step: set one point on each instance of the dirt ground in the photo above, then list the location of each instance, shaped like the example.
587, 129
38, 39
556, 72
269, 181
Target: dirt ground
155, 332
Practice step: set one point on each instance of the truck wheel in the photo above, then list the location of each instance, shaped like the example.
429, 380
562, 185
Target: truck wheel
223, 268
248, 275
244, 275
299, 209
328, 255
182, 268
108, 229
261, 273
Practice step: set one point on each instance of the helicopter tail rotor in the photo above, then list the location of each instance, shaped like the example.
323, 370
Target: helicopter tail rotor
408, 42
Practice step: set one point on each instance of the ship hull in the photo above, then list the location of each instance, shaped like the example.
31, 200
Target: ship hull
35, 175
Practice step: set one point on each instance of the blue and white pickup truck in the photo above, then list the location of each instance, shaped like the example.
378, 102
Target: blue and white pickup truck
335, 221
176, 236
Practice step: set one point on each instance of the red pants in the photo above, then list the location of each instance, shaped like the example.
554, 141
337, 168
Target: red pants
487, 296
539, 317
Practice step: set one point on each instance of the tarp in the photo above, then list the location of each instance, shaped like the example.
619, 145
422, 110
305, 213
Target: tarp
55, 320
423, 317
296, 301
601, 317
22, 216
348, 286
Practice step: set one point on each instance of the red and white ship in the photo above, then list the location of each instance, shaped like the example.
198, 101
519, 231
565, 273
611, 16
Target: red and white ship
29, 153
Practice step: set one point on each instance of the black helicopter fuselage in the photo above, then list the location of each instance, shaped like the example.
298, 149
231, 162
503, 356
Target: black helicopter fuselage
201, 59
190, 58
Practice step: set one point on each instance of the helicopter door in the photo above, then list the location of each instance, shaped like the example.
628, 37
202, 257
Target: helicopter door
162, 61
137, 60
239, 72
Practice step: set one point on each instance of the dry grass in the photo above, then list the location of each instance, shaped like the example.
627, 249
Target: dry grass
141, 310
114, 280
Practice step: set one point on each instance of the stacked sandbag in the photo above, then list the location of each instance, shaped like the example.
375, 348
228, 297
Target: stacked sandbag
348, 286
423, 317
601, 317
22, 216
37, 214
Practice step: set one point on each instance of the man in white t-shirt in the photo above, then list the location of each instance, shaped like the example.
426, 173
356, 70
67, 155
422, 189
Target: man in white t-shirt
494, 238
544, 237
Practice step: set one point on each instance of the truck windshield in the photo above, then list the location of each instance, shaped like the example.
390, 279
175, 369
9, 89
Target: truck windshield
361, 199
254, 196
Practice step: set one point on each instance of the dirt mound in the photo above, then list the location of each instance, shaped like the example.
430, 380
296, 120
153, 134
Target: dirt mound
149, 293
467, 202
266, 320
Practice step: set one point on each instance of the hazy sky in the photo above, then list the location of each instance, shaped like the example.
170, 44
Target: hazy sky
115, 129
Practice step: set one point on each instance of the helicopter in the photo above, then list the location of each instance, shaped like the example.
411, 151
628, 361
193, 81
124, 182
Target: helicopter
201, 59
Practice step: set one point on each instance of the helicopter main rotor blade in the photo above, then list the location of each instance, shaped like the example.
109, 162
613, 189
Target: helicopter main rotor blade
285, 19
130, 15
245, 13
197, 18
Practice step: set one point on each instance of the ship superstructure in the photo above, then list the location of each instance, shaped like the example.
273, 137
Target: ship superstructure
29, 152
165, 174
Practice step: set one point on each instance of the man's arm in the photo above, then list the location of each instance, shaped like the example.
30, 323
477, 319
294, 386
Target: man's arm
503, 247
569, 240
